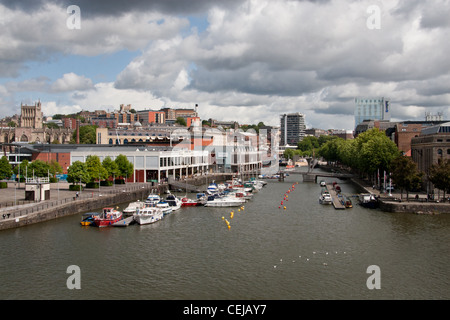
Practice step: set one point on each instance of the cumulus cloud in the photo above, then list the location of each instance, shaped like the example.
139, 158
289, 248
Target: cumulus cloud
72, 82
254, 60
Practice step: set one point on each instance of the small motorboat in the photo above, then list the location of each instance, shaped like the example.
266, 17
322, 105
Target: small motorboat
132, 207
108, 217
87, 219
186, 202
173, 202
148, 215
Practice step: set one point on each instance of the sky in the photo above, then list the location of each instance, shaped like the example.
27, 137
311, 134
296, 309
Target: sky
243, 60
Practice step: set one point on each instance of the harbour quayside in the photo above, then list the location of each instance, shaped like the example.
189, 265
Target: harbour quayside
233, 193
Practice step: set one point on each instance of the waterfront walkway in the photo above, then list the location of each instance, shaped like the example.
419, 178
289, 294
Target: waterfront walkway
13, 204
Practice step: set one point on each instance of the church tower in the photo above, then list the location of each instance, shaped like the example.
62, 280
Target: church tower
31, 116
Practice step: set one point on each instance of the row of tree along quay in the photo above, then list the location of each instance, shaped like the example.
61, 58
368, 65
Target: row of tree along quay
92, 173
372, 153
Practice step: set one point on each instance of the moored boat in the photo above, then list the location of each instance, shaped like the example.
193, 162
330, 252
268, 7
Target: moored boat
186, 202
152, 199
164, 206
224, 202
148, 215
173, 202
107, 217
325, 197
368, 200
87, 219
132, 207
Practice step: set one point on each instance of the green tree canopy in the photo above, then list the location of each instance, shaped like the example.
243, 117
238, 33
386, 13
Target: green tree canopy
125, 167
5, 168
87, 135
405, 174
95, 168
181, 121
440, 175
111, 167
38, 168
78, 171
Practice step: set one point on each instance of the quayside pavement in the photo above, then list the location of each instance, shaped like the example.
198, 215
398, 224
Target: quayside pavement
16, 212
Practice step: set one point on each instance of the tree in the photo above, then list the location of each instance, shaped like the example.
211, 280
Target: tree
330, 149
181, 121
373, 151
87, 135
78, 172
405, 174
39, 168
111, 167
5, 168
308, 144
95, 169
55, 168
440, 175
125, 167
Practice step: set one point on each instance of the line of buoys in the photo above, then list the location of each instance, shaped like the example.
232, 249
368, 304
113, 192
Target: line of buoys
232, 216
286, 197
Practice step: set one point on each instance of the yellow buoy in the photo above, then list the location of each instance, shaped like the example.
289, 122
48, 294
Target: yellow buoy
223, 218
284, 208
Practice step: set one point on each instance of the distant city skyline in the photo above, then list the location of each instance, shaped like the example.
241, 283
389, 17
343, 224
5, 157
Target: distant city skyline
242, 60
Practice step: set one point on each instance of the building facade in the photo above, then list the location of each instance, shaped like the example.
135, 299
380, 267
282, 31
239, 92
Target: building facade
292, 128
371, 109
432, 145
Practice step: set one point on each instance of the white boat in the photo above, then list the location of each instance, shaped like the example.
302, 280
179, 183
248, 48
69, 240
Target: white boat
212, 188
224, 201
148, 215
164, 206
325, 197
174, 202
132, 207
152, 199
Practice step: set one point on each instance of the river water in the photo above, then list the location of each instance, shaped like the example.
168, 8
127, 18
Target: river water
308, 251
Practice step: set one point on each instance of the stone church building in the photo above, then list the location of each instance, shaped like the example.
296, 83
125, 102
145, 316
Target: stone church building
30, 128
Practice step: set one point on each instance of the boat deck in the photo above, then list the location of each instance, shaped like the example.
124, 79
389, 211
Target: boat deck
336, 203
124, 222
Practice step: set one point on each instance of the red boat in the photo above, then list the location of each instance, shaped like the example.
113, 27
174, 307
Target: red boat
186, 202
107, 217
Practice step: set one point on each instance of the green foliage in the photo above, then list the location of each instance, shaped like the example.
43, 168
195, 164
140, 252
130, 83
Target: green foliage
125, 167
308, 144
38, 168
370, 151
55, 168
3, 184
87, 135
5, 168
111, 167
181, 121
405, 174
440, 175
95, 168
77, 171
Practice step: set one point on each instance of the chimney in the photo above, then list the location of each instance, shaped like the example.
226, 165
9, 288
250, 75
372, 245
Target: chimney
78, 131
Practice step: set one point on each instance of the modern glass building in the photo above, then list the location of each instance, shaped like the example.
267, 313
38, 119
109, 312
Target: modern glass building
372, 109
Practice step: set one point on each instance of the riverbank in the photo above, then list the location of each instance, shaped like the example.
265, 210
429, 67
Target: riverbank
16, 212
395, 204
